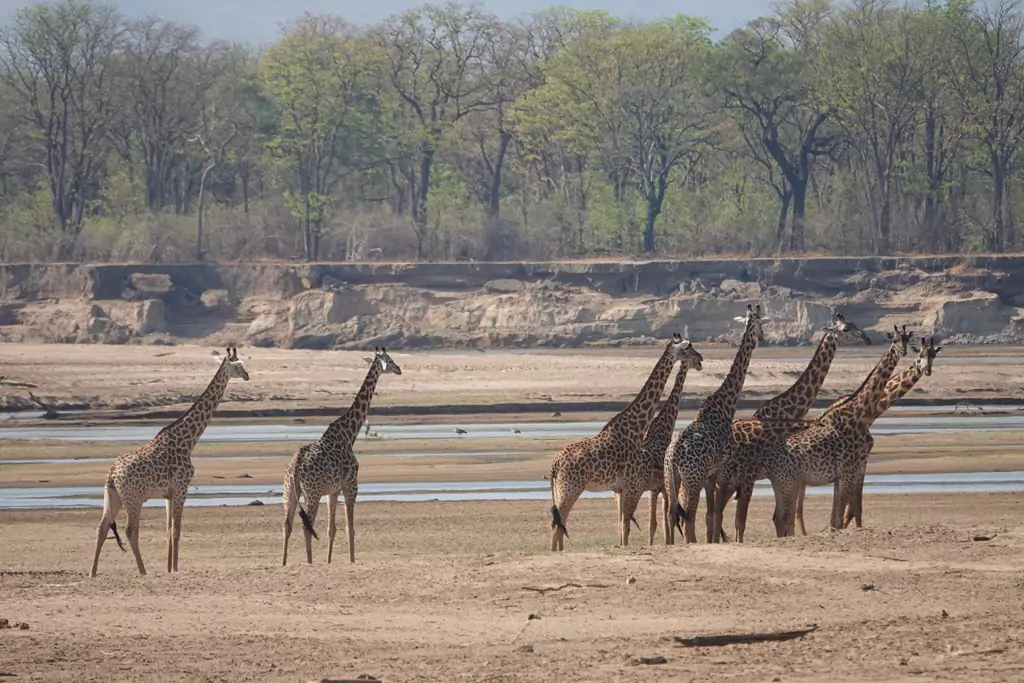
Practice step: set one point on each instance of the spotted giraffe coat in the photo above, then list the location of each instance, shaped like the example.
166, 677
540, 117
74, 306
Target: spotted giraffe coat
693, 455
613, 459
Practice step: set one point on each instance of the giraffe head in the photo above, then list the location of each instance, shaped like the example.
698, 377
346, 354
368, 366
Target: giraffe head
926, 354
754, 318
380, 355
233, 366
682, 350
901, 338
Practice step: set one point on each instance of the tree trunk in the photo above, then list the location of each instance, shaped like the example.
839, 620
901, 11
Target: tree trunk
655, 200
999, 186
495, 190
785, 199
200, 206
419, 208
797, 238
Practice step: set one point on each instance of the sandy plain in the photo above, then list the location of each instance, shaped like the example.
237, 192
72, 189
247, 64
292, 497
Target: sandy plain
441, 590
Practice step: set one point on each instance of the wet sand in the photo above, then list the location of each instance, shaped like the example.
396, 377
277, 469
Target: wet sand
439, 592
116, 379
469, 459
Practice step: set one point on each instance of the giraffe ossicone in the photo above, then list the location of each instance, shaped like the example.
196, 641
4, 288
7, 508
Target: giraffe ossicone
162, 468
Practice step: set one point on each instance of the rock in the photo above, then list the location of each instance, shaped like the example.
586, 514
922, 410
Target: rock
139, 317
741, 290
147, 286
255, 502
216, 299
333, 284
525, 648
503, 286
656, 659
630, 581
4, 623
980, 315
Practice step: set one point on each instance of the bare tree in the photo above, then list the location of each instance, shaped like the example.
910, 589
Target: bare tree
59, 60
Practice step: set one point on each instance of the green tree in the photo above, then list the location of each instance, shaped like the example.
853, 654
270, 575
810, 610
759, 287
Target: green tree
321, 77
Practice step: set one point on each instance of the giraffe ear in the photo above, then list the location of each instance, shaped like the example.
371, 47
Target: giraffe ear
369, 361
740, 319
915, 349
937, 349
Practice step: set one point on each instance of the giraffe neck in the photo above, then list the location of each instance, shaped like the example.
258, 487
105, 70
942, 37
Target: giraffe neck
859, 405
640, 411
665, 422
188, 428
347, 426
794, 403
723, 401
895, 389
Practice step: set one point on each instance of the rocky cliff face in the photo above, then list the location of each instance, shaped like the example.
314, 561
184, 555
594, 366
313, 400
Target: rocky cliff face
962, 300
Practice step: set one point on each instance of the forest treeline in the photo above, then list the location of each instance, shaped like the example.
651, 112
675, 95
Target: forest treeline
445, 133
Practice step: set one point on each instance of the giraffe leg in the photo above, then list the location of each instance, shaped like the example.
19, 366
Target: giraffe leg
111, 506
856, 507
665, 512
800, 509
350, 523
710, 491
744, 492
722, 496
312, 505
179, 507
134, 516
291, 504
785, 504
652, 525
170, 536
629, 501
674, 512
691, 497
332, 526
839, 493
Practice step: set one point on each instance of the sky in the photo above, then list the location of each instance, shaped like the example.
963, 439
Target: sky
257, 21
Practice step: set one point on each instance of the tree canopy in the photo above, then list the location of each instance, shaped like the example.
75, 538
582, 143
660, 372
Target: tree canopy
866, 127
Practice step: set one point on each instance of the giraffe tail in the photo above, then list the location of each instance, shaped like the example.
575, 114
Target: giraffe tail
676, 514
117, 536
108, 493
556, 517
307, 523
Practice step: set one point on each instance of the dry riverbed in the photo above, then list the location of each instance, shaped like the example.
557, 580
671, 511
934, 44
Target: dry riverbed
448, 591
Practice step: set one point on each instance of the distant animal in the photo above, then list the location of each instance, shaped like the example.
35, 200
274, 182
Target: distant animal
557, 413
367, 430
847, 329
515, 430
460, 432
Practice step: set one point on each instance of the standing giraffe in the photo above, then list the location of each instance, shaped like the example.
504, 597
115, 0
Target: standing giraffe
692, 458
827, 451
162, 467
659, 434
741, 463
328, 466
896, 388
741, 458
613, 459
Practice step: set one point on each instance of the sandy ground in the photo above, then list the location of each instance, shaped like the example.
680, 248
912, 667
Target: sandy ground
138, 377
439, 593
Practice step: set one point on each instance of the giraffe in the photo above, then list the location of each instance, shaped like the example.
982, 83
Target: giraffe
658, 436
613, 459
162, 467
692, 457
741, 459
827, 451
741, 463
328, 466
896, 388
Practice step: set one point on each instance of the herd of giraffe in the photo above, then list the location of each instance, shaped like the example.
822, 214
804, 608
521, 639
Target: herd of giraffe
635, 452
